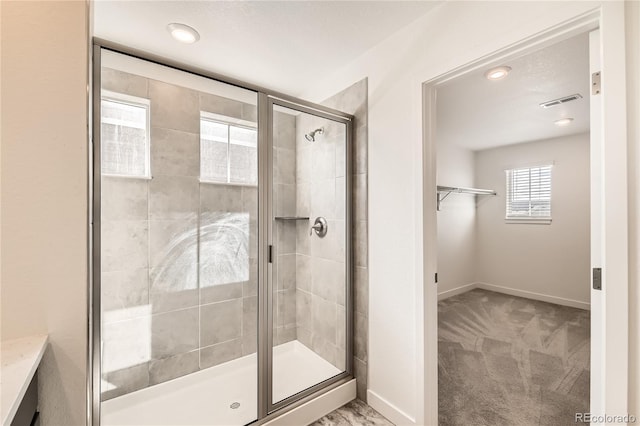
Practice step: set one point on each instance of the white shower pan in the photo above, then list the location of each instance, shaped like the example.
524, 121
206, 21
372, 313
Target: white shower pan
207, 396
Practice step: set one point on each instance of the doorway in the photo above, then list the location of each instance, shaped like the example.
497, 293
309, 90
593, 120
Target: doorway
514, 239
609, 349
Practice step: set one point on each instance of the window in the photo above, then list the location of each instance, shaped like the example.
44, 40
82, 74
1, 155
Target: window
228, 152
529, 193
125, 136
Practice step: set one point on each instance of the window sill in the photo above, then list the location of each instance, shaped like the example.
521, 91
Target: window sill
532, 221
212, 182
127, 176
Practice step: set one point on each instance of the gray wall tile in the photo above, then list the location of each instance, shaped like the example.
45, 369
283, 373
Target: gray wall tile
220, 322
323, 159
303, 272
286, 272
124, 198
284, 167
124, 245
125, 381
324, 319
361, 337
222, 198
172, 197
332, 245
174, 107
174, 153
361, 290
360, 243
250, 316
222, 352
174, 242
360, 197
220, 293
223, 106
285, 237
284, 129
174, 333
175, 366
323, 199
304, 316
328, 279
121, 291
122, 82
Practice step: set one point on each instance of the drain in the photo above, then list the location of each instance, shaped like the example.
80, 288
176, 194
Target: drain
235, 405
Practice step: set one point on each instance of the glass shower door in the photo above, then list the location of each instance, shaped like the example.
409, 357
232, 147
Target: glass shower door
309, 279
178, 247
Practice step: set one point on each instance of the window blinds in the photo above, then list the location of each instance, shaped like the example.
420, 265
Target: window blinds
529, 193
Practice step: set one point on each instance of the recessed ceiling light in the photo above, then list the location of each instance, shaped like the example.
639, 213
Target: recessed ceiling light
497, 73
183, 33
563, 122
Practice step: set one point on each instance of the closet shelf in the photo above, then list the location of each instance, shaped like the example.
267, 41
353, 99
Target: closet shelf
448, 190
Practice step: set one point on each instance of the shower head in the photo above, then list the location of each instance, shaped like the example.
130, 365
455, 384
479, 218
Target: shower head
311, 136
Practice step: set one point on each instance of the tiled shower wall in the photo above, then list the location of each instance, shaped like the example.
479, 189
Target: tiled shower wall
166, 310
162, 318
320, 284
284, 201
354, 100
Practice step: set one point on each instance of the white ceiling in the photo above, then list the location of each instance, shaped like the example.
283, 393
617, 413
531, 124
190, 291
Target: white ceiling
280, 45
477, 114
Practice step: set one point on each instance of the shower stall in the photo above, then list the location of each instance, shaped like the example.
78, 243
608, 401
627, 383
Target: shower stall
221, 247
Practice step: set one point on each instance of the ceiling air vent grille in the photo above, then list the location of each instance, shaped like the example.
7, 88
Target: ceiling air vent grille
561, 101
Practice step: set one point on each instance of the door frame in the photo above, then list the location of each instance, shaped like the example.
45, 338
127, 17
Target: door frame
609, 362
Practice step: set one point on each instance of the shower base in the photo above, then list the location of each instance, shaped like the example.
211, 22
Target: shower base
207, 396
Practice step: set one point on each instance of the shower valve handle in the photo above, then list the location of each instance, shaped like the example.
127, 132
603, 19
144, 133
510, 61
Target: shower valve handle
320, 226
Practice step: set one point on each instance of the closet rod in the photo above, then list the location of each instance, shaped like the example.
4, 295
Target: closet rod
460, 190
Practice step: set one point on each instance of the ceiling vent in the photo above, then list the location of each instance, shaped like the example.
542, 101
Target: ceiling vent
561, 101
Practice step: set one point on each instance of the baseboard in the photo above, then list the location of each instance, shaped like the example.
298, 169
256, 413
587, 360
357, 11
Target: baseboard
535, 296
387, 409
318, 407
455, 291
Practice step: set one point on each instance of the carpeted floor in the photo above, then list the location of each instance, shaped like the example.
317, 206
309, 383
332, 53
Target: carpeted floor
354, 413
505, 360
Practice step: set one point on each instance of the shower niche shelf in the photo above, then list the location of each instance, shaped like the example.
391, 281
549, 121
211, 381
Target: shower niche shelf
291, 218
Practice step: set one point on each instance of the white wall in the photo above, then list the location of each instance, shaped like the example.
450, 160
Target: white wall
456, 219
449, 36
554, 259
633, 114
44, 193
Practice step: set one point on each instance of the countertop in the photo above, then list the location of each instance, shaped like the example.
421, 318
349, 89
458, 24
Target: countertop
20, 360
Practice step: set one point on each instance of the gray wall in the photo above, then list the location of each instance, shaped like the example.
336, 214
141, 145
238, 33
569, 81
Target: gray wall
167, 308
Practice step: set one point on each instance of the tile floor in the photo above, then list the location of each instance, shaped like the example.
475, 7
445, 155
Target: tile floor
355, 413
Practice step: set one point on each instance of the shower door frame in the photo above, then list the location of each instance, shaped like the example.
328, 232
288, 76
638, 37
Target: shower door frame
266, 100
267, 268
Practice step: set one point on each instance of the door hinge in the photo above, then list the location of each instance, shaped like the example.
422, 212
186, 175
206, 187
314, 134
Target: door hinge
270, 254
436, 278
595, 83
597, 278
